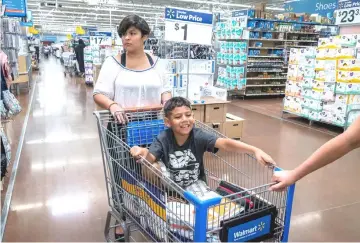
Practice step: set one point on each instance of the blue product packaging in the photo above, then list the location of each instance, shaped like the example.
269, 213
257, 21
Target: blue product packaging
251, 13
251, 24
228, 33
230, 60
258, 44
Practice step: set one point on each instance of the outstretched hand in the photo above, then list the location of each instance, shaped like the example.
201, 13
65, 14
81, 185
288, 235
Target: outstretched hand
264, 158
283, 179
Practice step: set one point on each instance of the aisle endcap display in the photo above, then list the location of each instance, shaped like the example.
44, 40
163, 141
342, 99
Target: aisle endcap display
325, 88
253, 52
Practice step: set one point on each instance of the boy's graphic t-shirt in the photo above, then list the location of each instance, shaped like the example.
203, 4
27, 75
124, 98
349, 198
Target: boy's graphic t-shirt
184, 163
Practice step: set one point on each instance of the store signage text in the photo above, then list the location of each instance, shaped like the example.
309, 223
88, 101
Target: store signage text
188, 26
345, 4
322, 7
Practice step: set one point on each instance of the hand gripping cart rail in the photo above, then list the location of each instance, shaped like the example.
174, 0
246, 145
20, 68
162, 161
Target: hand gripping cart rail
233, 205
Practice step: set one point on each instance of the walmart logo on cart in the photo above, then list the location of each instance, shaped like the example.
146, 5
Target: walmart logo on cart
250, 230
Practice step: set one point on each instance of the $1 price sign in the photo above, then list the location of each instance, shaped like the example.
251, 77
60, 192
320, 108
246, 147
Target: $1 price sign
188, 26
348, 16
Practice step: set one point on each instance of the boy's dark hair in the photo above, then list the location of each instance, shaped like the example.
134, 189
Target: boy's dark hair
175, 102
133, 21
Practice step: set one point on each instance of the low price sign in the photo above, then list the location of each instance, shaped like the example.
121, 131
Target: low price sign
348, 12
188, 26
100, 38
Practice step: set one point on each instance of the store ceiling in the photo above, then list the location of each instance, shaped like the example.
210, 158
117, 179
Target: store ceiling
62, 16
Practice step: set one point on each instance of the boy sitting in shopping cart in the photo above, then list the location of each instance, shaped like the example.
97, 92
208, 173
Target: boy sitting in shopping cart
181, 148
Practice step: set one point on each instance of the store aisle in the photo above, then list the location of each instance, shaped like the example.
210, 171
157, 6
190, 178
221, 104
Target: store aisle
59, 193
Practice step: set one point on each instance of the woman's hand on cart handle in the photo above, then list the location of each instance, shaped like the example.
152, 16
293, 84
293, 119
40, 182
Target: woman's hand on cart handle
118, 113
264, 158
283, 179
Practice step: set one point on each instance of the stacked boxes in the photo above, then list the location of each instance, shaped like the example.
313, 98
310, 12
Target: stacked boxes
335, 90
298, 93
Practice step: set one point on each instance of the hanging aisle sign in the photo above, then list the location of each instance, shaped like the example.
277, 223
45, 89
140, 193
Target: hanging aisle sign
100, 38
188, 26
348, 12
15, 8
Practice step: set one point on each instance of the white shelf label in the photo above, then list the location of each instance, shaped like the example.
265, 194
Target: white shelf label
100, 39
188, 26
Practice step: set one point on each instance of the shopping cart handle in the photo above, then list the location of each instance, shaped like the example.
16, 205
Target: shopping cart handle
145, 108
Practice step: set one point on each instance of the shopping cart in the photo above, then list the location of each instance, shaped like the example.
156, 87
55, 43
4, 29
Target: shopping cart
69, 60
239, 206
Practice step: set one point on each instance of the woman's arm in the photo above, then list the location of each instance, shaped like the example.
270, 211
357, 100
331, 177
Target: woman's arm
326, 154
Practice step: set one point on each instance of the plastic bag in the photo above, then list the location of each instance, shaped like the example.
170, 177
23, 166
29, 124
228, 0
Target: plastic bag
11, 103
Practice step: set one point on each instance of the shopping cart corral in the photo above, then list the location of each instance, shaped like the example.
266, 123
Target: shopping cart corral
234, 205
69, 60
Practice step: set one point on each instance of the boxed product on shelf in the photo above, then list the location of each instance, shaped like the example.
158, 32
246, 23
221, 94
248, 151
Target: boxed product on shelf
354, 99
293, 104
181, 92
346, 53
349, 65
330, 42
347, 88
293, 89
316, 105
352, 117
314, 115
233, 126
292, 72
196, 66
349, 40
305, 112
307, 83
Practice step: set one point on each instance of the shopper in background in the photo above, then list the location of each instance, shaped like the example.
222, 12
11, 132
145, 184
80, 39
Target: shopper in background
328, 153
79, 52
130, 80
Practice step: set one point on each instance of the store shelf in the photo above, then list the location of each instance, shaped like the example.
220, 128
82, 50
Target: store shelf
299, 46
256, 66
270, 71
307, 41
279, 40
264, 61
302, 33
232, 65
265, 57
291, 22
267, 78
265, 94
266, 48
269, 31
266, 85
238, 40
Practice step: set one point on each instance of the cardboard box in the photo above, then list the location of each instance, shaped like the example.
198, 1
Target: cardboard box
260, 6
215, 113
233, 126
199, 112
22, 64
217, 126
23, 78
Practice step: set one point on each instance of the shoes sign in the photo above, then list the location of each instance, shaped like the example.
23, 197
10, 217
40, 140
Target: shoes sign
188, 26
348, 12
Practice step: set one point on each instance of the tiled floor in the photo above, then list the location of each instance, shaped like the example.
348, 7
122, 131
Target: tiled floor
60, 193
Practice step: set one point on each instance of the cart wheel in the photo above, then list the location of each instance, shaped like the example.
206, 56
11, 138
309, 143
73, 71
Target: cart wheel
111, 224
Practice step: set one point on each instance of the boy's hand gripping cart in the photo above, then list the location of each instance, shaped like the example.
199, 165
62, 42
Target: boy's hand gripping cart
238, 208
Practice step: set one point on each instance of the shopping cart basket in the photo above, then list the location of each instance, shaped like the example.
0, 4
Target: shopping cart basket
238, 207
69, 60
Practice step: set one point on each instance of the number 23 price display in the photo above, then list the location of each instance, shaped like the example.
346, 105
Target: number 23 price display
188, 26
348, 16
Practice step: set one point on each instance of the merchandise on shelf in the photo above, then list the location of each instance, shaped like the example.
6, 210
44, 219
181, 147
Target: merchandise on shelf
335, 88
10, 41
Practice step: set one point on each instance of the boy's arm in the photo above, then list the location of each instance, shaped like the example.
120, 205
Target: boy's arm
326, 154
231, 145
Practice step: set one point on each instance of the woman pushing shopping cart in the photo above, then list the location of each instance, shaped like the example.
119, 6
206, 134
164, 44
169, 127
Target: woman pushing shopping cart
188, 197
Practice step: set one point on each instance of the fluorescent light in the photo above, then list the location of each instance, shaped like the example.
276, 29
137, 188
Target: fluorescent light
275, 8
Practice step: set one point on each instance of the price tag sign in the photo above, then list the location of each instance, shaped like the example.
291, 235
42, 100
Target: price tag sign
100, 39
348, 12
188, 26
241, 16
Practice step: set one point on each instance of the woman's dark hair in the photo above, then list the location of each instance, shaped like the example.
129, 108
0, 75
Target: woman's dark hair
133, 21
81, 41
